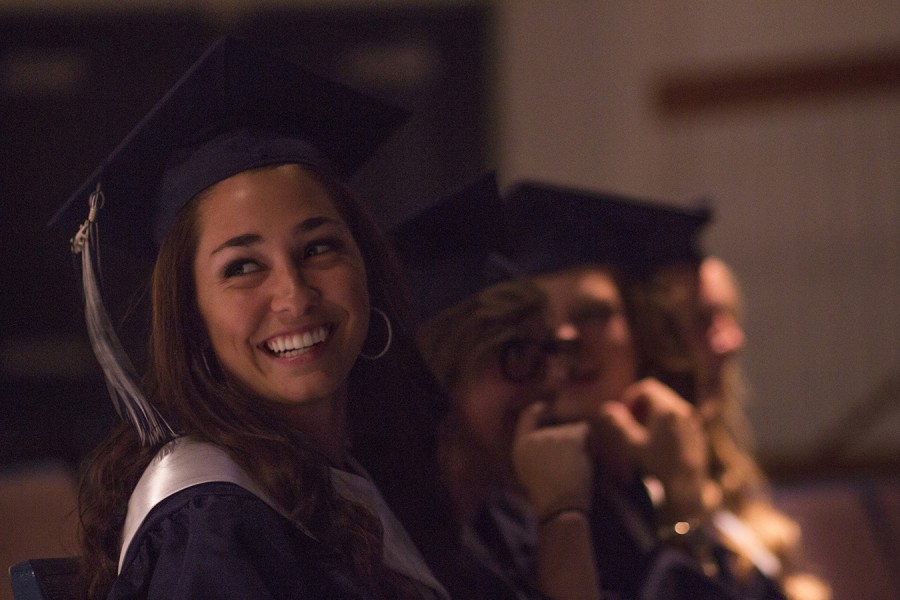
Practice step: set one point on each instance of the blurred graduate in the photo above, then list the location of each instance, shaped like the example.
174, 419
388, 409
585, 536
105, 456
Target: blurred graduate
538, 339
521, 492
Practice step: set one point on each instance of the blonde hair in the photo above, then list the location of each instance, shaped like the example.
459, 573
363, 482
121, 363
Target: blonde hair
666, 314
456, 343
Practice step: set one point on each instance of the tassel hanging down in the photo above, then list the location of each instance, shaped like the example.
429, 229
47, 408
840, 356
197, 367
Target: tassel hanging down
121, 377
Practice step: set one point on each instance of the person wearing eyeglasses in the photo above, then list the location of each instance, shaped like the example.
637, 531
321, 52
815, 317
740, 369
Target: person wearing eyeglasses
520, 490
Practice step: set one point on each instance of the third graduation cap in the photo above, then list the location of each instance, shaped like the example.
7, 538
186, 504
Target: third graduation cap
238, 107
553, 227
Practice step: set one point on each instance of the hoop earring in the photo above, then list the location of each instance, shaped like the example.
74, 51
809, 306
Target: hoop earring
390, 336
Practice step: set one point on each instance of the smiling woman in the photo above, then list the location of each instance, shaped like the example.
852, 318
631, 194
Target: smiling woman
277, 268
232, 475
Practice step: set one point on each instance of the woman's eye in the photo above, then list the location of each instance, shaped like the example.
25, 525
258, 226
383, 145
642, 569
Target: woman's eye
596, 314
321, 247
241, 267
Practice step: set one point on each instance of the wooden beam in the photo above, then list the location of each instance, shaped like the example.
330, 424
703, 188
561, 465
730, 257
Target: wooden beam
692, 92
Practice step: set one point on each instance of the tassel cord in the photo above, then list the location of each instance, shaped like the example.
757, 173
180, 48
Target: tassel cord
121, 377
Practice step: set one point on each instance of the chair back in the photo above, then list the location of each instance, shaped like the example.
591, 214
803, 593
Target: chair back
45, 579
38, 514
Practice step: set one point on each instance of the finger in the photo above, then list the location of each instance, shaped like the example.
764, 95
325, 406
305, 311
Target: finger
530, 418
577, 432
616, 419
639, 399
650, 398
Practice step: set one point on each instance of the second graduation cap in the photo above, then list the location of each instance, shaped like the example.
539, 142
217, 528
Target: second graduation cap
453, 248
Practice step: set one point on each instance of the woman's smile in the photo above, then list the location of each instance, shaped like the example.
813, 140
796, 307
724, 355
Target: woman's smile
293, 345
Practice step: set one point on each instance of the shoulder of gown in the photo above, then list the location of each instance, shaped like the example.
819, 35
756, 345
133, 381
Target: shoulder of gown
218, 540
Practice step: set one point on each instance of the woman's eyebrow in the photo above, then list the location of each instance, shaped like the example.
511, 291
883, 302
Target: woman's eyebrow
248, 239
312, 223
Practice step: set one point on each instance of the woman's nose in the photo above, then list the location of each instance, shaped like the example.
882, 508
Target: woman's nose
561, 361
567, 333
727, 336
292, 292
558, 366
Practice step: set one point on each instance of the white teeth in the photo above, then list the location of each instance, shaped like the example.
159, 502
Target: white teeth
297, 343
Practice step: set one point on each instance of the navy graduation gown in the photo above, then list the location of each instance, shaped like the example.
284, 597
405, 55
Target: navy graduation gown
633, 564
199, 526
217, 540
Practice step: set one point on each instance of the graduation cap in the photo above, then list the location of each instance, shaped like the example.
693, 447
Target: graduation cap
553, 227
453, 248
237, 108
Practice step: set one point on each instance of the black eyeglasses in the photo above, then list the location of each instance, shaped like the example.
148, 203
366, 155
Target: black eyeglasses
523, 360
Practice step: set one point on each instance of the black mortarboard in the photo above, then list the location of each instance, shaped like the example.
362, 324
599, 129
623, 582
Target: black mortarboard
238, 107
235, 109
553, 227
453, 248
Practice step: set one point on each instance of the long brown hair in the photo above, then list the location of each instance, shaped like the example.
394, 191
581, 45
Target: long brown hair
390, 411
